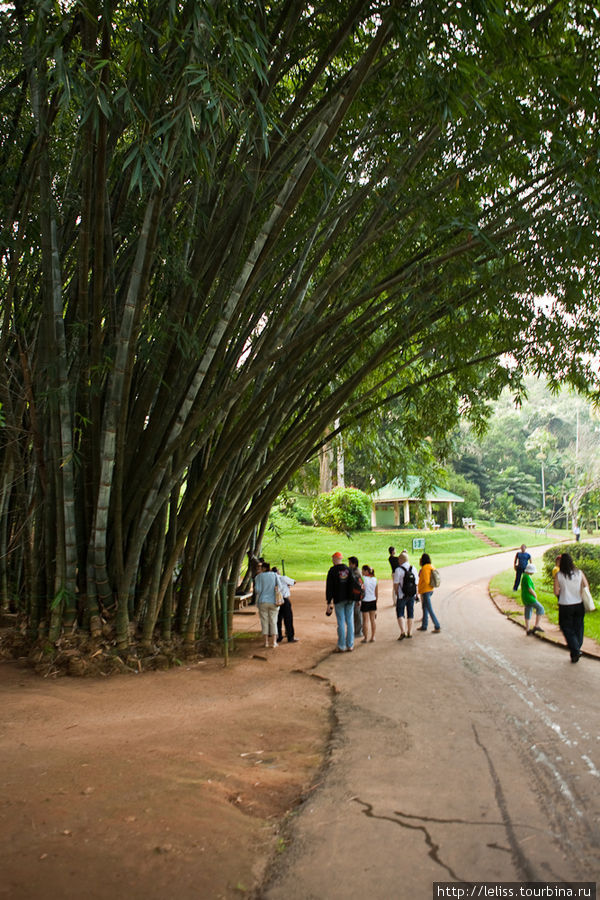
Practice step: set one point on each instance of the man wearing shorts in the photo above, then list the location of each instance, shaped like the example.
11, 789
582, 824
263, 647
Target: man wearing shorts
405, 581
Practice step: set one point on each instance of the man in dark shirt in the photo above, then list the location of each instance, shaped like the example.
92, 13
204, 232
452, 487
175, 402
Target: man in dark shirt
358, 592
522, 558
394, 564
338, 593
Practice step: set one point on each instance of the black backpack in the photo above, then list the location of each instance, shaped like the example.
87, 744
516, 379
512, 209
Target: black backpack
409, 585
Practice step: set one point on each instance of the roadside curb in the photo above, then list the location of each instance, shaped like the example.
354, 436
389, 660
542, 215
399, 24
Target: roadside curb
513, 611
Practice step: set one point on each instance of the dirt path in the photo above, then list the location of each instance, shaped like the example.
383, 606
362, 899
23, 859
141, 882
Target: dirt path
167, 784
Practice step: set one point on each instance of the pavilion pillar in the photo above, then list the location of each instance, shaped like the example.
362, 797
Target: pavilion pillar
450, 520
396, 514
406, 512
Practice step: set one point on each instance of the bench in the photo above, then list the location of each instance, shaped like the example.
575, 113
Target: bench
240, 601
468, 523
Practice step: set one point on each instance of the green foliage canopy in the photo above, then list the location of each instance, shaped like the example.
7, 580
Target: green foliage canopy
228, 225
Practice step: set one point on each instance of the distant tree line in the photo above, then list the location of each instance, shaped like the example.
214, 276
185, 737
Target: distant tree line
537, 462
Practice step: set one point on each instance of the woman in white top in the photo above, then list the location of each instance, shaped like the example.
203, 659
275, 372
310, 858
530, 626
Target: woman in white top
568, 585
368, 605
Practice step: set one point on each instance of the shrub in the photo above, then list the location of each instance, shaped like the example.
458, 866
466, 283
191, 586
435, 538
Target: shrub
290, 506
585, 556
345, 509
302, 515
469, 508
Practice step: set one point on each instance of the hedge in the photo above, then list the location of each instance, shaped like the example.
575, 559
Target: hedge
585, 556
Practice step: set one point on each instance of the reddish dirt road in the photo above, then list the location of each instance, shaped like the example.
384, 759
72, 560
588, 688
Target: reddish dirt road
161, 784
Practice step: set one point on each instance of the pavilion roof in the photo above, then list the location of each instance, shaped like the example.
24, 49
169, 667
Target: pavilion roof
409, 490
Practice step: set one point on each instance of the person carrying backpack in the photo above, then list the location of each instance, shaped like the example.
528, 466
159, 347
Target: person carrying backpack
405, 584
358, 592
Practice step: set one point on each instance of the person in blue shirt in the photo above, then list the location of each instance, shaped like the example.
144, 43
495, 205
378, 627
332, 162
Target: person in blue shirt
264, 585
522, 558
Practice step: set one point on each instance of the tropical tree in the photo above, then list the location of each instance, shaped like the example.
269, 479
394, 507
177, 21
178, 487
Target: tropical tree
504, 508
471, 504
228, 226
541, 442
522, 488
589, 509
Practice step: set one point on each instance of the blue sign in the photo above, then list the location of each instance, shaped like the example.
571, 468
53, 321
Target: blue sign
418, 543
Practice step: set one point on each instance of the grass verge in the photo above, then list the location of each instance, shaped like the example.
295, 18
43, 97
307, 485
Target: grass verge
306, 551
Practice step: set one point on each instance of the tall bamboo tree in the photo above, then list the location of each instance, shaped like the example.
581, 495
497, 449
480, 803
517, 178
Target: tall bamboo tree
230, 226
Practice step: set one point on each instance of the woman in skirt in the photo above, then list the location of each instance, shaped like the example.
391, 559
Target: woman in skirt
368, 605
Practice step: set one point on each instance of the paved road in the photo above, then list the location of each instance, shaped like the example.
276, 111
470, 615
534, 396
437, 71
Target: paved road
469, 755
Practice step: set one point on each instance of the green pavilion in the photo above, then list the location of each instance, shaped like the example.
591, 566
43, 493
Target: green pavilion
395, 505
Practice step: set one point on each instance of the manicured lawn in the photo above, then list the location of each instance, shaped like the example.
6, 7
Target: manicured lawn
306, 551
504, 583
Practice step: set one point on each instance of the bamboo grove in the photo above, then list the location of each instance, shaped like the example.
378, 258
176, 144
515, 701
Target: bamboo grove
226, 226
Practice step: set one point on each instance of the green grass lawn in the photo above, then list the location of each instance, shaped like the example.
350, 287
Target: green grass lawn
306, 551
504, 583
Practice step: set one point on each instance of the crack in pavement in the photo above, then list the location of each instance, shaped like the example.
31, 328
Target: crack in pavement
520, 860
418, 823
433, 847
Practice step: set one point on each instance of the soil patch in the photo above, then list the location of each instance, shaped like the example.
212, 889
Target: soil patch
167, 783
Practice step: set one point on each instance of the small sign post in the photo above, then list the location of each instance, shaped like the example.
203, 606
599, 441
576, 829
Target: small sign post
418, 543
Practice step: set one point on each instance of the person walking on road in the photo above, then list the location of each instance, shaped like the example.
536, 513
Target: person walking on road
405, 584
285, 617
368, 605
530, 600
568, 586
338, 594
425, 591
522, 557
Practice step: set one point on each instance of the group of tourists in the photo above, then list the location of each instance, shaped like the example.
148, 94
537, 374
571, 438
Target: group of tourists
569, 585
353, 595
